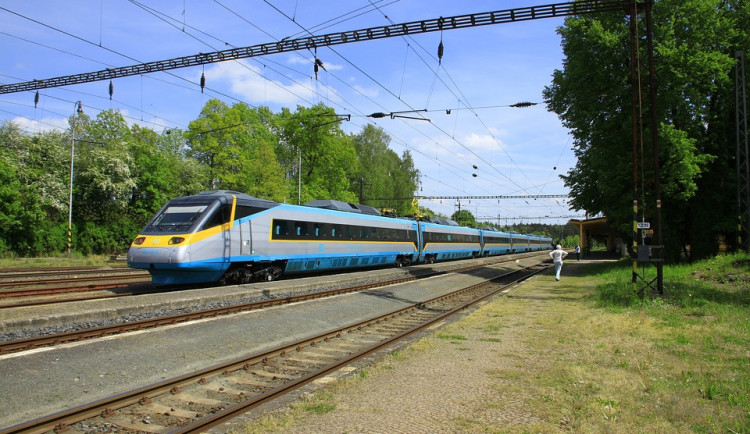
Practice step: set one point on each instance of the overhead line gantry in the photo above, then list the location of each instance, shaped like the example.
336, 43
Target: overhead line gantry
525, 196
331, 39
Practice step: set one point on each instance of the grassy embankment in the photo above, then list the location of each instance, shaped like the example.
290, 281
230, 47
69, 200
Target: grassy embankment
588, 355
60, 261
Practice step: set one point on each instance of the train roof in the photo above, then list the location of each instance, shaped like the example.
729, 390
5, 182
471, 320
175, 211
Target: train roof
442, 221
242, 198
338, 205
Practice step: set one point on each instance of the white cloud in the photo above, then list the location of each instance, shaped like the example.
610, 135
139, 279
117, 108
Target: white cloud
482, 142
247, 81
41, 125
370, 92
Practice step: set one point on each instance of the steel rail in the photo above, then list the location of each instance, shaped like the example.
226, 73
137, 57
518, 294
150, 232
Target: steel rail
35, 271
56, 290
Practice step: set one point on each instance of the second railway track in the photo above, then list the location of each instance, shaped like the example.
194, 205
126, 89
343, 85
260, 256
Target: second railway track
196, 401
46, 339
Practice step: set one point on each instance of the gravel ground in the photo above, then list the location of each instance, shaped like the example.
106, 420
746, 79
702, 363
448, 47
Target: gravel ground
448, 382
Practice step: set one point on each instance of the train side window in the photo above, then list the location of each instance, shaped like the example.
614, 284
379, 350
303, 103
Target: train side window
246, 210
280, 228
316, 230
300, 228
221, 216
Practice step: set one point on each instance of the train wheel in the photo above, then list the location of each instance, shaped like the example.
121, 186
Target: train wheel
273, 273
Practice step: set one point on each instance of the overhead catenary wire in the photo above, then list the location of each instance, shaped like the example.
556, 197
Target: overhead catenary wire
365, 73
66, 33
440, 52
397, 141
239, 16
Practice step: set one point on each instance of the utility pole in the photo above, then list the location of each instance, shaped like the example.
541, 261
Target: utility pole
78, 110
646, 253
743, 165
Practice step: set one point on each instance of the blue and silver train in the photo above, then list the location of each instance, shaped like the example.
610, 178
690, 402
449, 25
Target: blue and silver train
230, 237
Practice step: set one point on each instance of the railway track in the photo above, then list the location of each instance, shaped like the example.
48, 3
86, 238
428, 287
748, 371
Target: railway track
79, 284
18, 273
205, 398
35, 284
114, 329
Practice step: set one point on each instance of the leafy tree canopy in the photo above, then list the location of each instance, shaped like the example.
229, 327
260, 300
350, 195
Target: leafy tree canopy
694, 46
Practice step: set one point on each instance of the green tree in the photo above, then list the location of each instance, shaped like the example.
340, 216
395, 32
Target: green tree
103, 181
694, 45
405, 180
236, 145
33, 193
161, 172
464, 218
382, 174
311, 141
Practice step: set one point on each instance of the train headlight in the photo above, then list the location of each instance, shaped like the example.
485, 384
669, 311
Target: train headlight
138, 241
176, 240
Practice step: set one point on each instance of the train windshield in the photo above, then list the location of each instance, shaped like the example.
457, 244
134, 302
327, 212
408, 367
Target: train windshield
177, 218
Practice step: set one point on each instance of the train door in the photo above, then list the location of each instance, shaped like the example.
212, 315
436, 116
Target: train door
416, 239
420, 241
221, 244
246, 241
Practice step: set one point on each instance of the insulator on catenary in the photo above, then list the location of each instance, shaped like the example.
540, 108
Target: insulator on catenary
441, 48
319, 63
36, 99
523, 104
203, 81
111, 90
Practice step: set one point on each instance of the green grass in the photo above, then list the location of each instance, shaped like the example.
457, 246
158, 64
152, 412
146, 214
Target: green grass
699, 330
703, 287
61, 260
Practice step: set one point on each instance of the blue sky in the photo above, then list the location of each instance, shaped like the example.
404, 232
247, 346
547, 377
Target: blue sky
517, 151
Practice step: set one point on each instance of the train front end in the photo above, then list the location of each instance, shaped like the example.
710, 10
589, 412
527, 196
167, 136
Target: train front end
182, 243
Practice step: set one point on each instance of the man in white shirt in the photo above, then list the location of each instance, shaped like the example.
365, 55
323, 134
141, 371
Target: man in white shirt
557, 256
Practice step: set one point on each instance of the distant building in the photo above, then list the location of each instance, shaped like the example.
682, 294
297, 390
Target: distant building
599, 229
